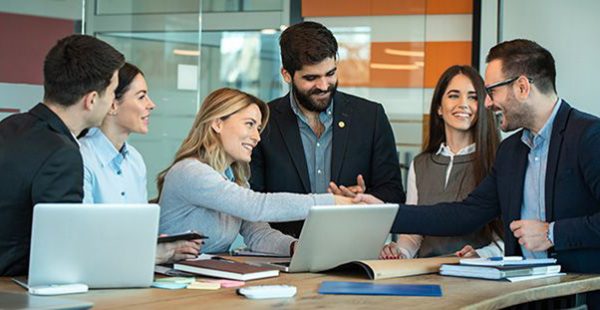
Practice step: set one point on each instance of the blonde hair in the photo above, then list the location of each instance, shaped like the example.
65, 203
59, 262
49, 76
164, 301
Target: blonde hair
202, 142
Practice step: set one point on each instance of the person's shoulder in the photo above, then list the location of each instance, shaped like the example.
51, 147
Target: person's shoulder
277, 102
355, 99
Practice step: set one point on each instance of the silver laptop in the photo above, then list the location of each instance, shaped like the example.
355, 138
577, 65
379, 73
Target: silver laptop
334, 235
101, 245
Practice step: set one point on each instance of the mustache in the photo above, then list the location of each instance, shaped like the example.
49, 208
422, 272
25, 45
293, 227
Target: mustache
317, 91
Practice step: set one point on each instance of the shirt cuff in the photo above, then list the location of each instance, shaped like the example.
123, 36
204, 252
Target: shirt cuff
324, 199
551, 233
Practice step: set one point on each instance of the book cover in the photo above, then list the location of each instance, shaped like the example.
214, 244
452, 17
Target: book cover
366, 288
220, 268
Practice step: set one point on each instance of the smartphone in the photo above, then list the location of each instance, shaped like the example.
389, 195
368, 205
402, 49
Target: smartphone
188, 235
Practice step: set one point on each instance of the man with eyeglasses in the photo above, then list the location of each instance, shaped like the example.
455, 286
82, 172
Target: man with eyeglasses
545, 183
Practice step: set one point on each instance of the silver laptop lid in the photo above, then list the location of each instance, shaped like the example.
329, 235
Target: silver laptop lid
333, 235
101, 245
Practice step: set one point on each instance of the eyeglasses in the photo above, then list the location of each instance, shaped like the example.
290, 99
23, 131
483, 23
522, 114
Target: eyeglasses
489, 89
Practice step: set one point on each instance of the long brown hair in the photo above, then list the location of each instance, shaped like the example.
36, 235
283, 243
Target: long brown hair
485, 132
203, 143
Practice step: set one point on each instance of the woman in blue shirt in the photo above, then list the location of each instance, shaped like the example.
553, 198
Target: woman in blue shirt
114, 171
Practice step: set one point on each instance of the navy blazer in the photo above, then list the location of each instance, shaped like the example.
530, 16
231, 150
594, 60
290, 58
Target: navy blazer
365, 145
39, 162
572, 194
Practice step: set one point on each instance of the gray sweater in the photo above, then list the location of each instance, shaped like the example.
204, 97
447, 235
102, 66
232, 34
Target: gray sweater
197, 197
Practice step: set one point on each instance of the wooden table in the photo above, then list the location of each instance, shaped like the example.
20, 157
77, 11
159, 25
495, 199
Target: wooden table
457, 293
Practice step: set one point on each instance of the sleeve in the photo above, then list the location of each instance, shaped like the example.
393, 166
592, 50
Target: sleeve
386, 180
409, 244
491, 250
60, 178
494, 249
584, 231
260, 237
203, 186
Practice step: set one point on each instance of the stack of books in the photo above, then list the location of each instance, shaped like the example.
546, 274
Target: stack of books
504, 268
226, 269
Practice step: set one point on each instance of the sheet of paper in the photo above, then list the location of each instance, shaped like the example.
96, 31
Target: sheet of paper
525, 278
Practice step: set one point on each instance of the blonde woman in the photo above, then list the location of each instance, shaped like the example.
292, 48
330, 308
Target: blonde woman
206, 187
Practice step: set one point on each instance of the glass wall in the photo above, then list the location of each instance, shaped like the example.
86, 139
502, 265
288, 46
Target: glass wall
186, 54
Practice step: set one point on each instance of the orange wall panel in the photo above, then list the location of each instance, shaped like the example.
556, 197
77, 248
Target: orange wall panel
441, 55
396, 64
398, 7
336, 8
449, 7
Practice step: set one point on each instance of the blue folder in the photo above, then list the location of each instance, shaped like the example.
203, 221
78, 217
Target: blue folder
366, 288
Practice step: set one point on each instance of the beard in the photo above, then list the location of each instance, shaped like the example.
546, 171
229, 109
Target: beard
314, 105
518, 115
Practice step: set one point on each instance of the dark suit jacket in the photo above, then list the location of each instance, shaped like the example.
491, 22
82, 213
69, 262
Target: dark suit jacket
572, 194
39, 162
365, 145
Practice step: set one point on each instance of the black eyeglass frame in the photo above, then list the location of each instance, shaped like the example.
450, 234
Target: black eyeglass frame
488, 89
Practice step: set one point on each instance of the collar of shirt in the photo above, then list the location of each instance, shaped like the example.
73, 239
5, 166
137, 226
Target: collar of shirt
228, 174
445, 150
75, 137
106, 151
533, 140
326, 116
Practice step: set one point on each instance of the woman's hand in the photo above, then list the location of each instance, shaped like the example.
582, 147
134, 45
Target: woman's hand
467, 251
170, 252
391, 251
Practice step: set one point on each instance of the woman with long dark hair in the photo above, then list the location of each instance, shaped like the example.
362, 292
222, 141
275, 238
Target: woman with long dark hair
459, 153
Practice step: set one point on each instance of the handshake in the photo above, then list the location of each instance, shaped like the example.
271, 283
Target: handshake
355, 194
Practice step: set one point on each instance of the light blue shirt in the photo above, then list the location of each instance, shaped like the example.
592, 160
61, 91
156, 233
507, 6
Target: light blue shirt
534, 190
317, 150
111, 175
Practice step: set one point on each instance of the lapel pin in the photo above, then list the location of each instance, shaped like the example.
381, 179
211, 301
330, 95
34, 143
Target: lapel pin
341, 124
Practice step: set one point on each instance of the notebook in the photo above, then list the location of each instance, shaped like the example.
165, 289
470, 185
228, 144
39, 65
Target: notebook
226, 269
367, 288
498, 272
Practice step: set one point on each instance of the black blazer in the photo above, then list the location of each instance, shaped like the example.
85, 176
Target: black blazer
39, 162
572, 194
365, 145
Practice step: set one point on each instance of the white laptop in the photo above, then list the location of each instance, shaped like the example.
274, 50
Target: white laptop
100, 245
334, 235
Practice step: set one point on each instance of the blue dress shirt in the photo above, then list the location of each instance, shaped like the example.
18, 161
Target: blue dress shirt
111, 175
317, 150
534, 201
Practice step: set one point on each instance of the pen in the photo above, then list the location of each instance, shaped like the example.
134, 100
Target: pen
504, 258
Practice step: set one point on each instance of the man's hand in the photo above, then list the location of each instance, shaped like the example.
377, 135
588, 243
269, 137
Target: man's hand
467, 251
169, 252
348, 191
532, 234
342, 200
366, 198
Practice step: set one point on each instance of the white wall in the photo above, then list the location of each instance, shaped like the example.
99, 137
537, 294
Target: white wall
569, 30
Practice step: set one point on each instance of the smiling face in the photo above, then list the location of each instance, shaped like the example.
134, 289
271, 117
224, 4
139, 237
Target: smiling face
134, 107
239, 133
510, 113
314, 85
459, 104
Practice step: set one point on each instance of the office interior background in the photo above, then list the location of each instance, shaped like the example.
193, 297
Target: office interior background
391, 51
